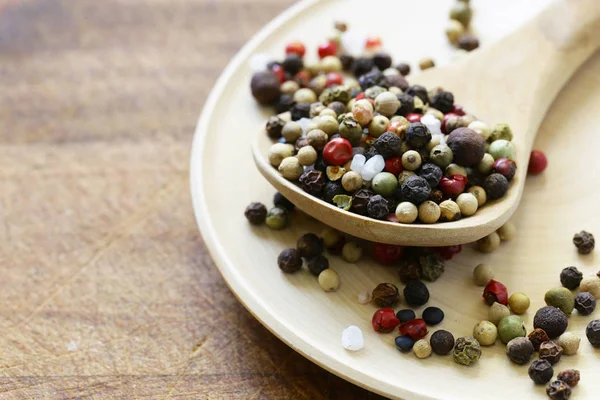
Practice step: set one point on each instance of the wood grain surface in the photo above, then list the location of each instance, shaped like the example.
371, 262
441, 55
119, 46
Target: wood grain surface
106, 289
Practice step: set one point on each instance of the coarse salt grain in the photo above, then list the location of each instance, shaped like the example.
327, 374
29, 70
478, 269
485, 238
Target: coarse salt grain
303, 122
352, 338
358, 162
373, 166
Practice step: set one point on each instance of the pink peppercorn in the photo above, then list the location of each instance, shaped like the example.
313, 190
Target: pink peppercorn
537, 162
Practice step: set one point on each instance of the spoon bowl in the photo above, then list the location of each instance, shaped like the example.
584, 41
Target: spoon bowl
513, 81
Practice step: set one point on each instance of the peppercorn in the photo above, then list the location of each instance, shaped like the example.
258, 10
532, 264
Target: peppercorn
558, 390
403, 68
481, 128
467, 204
442, 342
468, 148
592, 285
571, 377
317, 139
505, 167
289, 261
307, 155
289, 87
387, 103
388, 145
372, 79
482, 274
309, 245
569, 343
278, 152
329, 280
347, 60
537, 337
431, 267
436, 195
351, 130
395, 81
377, 207
426, 63
382, 60
448, 252
593, 332
318, 264
497, 312
422, 348
411, 160
570, 278
256, 213
454, 30
290, 168
280, 201
327, 123
502, 148
561, 298
468, 42
332, 189
300, 110
265, 87
551, 352
405, 315
362, 65
480, 195
415, 328
433, 315
409, 270
462, 13
455, 169
415, 189
277, 218
274, 127
293, 63
511, 327
404, 343
585, 303
416, 293
519, 303
495, 186
584, 241
384, 320
485, 332
441, 155
495, 291
343, 201
407, 104
537, 162
417, 135
519, 350
553, 321
385, 295
351, 252
432, 174
312, 182
540, 372
466, 351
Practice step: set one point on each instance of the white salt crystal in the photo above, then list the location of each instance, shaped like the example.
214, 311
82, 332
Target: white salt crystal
303, 122
258, 62
352, 338
358, 162
373, 166
365, 297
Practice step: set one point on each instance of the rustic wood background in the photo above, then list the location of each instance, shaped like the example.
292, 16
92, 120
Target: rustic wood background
106, 289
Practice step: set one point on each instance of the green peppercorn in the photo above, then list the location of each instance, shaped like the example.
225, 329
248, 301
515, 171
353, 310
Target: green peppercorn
466, 351
507, 231
501, 131
277, 218
351, 130
331, 237
455, 169
441, 155
511, 327
454, 30
385, 184
404, 175
561, 298
256, 213
502, 149
462, 13
378, 125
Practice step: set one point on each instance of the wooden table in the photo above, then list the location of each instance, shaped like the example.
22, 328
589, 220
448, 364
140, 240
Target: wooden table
106, 288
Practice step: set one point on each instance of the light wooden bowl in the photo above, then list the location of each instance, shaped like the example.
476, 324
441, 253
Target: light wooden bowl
555, 206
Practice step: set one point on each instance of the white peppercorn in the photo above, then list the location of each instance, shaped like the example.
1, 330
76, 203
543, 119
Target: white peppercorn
569, 343
481, 128
351, 252
352, 181
328, 112
455, 169
489, 243
329, 280
486, 164
411, 160
497, 312
290, 168
435, 140
305, 95
406, 212
485, 332
326, 123
479, 194
278, 152
387, 104
330, 64
289, 87
317, 139
422, 348
482, 274
378, 125
467, 203
449, 211
291, 131
454, 30
507, 231
307, 155
592, 285
429, 212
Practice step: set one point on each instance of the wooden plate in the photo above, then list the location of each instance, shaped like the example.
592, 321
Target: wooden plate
556, 205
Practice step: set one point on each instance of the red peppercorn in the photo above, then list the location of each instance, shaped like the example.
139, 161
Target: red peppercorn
537, 162
449, 251
337, 151
279, 72
360, 96
505, 167
415, 328
495, 292
394, 165
458, 110
302, 78
398, 127
446, 117
387, 254
384, 320
295, 47
413, 117
327, 49
334, 78
453, 185
373, 42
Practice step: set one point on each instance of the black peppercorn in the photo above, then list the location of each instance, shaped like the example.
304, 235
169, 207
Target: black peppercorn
273, 64
265, 87
495, 186
584, 241
431, 173
396, 81
256, 213
360, 199
418, 91
289, 261
312, 182
540, 372
320, 164
433, 315
571, 377
570, 277
284, 103
372, 78
436, 196
468, 42
347, 60
377, 207
442, 342
468, 147
409, 270
280, 201
593, 332
300, 110
407, 104
416, 293
309, 245
443, 101
382, 60
405, 315
331, 190
274, 127
362, 65
388, 145
585, 303
338, 107
537, 337
392, 204
403, 68
293, 63
371, 151
318, 264
551, 352
417, 135
386, 295
558, 390
519, 350
415, 189
553, 321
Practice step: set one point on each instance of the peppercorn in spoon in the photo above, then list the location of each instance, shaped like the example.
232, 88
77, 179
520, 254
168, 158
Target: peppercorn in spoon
512, 81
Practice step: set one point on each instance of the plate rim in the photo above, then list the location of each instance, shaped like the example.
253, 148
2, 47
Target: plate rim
217, 253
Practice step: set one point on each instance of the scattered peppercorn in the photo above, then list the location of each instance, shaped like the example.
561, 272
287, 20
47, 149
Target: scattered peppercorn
558, 390
404, 343
489, 243
431, 267
409, 270
289, 261
309, 245
592, 285
415, 328
511, 327
433, 315
519, 350
386, 295
351, 252
280, 201
537, 162
318, 264
416, 293
561, 298
584, 241
329, 280
551, 352
384, 320
256, 213
426, 63
265, 87
570, 278
277, 218
466, 351
442, 342
540, 372
519, 303
569, 343
553, 321
482, 274
485, 332
571, 377
537, 337
593, 332
468, 43
405, 315
497, 312
422, 348
585, 303
495, 291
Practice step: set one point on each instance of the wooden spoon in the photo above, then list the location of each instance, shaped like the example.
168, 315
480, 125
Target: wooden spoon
513, 81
